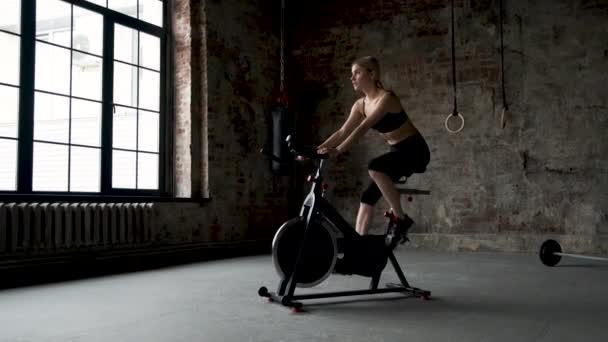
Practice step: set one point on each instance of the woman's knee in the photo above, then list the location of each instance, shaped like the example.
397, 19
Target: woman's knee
365, 208
371, 195
376, 174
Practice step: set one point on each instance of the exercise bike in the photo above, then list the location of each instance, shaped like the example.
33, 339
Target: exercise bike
319, 242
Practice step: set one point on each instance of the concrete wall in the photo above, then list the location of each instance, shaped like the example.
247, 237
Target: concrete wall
544, 174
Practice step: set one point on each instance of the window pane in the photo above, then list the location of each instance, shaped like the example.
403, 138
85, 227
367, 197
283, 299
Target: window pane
54, 21
10, 15
86, 76
9, 59
128, 7
51, 118
147, 171
123, 170
149, 87
148, 131
125, 84
50, 167
150, 51
8, 166
9, 111
52, 68
86, 123
151, 11
124, 133
85, 169
88, 31
125, 44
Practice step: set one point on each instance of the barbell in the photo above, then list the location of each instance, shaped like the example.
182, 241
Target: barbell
551, 254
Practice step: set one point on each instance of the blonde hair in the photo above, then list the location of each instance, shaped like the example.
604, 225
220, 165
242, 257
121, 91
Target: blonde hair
371, 64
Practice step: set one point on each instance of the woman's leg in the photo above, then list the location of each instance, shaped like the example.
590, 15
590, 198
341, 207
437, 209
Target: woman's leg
364, 218
398, 232
369, 198
388, 190
384, 170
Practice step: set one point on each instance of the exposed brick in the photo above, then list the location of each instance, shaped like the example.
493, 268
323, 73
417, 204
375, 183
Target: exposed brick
239, 44
476, 176
417, 58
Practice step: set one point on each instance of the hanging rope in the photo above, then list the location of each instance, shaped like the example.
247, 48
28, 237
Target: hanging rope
455, 111
505, 107
454, 64
283, 94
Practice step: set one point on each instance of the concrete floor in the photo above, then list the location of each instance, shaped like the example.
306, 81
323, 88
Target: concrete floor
475, 297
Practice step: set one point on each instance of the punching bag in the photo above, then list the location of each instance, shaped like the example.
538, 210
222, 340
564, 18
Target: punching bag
282, 126
282, 118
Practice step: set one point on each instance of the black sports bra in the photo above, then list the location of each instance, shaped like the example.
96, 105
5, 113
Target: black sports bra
390, 121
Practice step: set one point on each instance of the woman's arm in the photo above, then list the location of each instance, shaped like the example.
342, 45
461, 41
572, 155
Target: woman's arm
333, 139
354, 118
365, 125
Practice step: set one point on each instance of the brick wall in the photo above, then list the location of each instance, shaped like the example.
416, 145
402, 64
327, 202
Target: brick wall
545, 173
509, 188
227, 73
183, 93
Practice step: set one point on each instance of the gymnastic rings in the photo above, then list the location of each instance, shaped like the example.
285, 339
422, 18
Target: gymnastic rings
461, 122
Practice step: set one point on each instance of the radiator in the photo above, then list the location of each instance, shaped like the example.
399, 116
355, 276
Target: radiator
51, 227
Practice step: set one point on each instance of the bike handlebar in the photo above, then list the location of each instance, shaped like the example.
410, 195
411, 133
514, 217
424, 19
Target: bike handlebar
307, 151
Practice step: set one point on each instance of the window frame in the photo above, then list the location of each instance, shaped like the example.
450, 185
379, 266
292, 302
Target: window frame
26, 107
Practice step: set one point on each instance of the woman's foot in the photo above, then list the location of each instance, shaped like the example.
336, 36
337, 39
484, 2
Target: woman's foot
397, 232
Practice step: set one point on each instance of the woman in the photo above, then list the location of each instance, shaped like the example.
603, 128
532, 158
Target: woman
381, 110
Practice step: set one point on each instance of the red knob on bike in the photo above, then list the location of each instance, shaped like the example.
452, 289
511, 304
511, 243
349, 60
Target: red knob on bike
325, 186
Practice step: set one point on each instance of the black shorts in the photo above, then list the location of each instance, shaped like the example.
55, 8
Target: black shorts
409, 156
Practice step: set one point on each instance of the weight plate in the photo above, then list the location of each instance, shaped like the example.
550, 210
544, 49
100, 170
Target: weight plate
547, 252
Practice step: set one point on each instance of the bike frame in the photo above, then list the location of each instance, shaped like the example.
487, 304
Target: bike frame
316, 207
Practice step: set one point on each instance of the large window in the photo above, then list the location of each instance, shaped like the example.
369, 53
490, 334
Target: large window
10, 41
81, 96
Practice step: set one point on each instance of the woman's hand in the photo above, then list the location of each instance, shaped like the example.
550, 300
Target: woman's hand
331, 151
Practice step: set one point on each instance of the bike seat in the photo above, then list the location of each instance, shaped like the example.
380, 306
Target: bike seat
403, 190
403, 179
